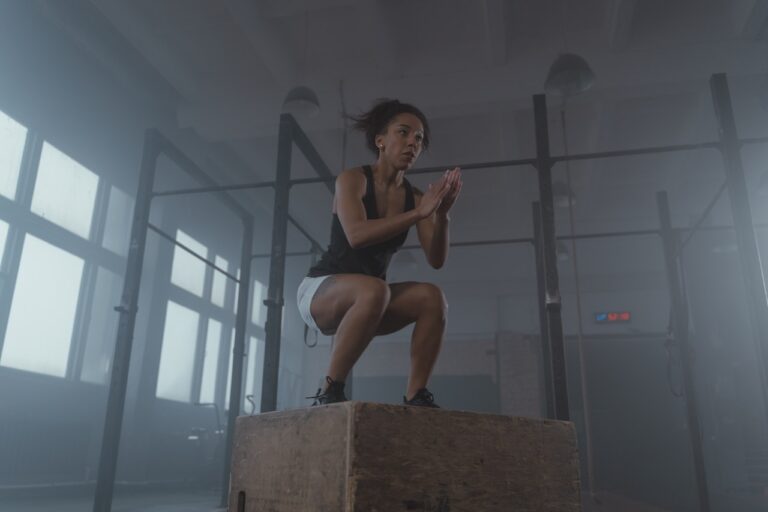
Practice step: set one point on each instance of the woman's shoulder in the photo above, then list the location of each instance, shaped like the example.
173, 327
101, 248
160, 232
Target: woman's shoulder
353, 177
353, 173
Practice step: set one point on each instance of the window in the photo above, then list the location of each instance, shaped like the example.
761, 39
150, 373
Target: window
13, 136
210, 362
42, 314
102, 330
188, 272
65, 192
177, 357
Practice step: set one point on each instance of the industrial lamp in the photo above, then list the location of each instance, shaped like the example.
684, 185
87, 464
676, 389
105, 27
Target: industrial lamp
301, 101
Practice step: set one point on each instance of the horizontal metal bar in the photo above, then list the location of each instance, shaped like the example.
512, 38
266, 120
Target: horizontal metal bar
642, 232
638, 151
754, 140
219, 188
555, 159
428, 170
170, 238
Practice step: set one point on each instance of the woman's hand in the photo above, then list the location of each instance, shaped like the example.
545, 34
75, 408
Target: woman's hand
454, 183
434, 195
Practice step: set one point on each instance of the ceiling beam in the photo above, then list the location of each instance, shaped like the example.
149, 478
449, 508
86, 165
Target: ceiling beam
125, 18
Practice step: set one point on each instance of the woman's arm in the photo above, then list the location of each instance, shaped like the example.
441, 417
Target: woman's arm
433, 230
361, 231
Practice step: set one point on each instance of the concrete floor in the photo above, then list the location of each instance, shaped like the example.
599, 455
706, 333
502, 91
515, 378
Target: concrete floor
155, 501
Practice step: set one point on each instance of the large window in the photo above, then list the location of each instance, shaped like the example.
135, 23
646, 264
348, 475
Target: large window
64, 237
58, 290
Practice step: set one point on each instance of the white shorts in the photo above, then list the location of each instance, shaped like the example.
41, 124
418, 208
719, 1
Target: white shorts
304, 295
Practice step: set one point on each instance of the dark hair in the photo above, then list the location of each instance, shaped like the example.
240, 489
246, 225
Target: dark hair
375, 121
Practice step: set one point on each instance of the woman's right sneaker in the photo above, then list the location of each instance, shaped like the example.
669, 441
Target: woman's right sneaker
422, 398
334, 393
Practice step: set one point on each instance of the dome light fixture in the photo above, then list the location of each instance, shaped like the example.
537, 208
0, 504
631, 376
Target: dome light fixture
301, 101
568, 75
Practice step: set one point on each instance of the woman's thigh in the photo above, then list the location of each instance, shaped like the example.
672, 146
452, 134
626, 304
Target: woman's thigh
339, 292
407, 302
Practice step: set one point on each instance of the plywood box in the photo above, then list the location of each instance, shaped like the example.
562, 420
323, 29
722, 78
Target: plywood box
366, 457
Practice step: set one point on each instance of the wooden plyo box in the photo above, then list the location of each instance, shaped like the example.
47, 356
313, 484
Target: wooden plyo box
366, 457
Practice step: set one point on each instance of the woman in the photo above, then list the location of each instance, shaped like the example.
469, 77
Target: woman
346, 292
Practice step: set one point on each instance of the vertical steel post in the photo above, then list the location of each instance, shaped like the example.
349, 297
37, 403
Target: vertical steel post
546, 350
749, 254
552, 299
128, 307
275, 299
671, 243
238, 350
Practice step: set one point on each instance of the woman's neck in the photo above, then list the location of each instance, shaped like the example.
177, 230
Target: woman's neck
386, 175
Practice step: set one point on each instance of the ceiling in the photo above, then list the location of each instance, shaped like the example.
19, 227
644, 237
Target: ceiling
472, 67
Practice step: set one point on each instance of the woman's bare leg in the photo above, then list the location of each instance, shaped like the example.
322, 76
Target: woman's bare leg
352, 305
424, 304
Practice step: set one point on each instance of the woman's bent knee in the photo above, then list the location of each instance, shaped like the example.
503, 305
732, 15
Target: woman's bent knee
433, 298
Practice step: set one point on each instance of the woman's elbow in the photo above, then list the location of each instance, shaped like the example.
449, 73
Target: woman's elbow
355, 241
437, 264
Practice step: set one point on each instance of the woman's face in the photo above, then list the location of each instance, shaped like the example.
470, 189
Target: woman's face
401, 142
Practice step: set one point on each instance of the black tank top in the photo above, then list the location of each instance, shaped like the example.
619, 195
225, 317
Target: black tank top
372, 260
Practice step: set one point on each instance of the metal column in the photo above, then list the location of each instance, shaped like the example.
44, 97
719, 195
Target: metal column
238, 350
546, 349
113, 423
671, 244
752, 270
552, 300
275, 300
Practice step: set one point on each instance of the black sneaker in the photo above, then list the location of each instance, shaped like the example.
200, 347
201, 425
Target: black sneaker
334, 393
422, 398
